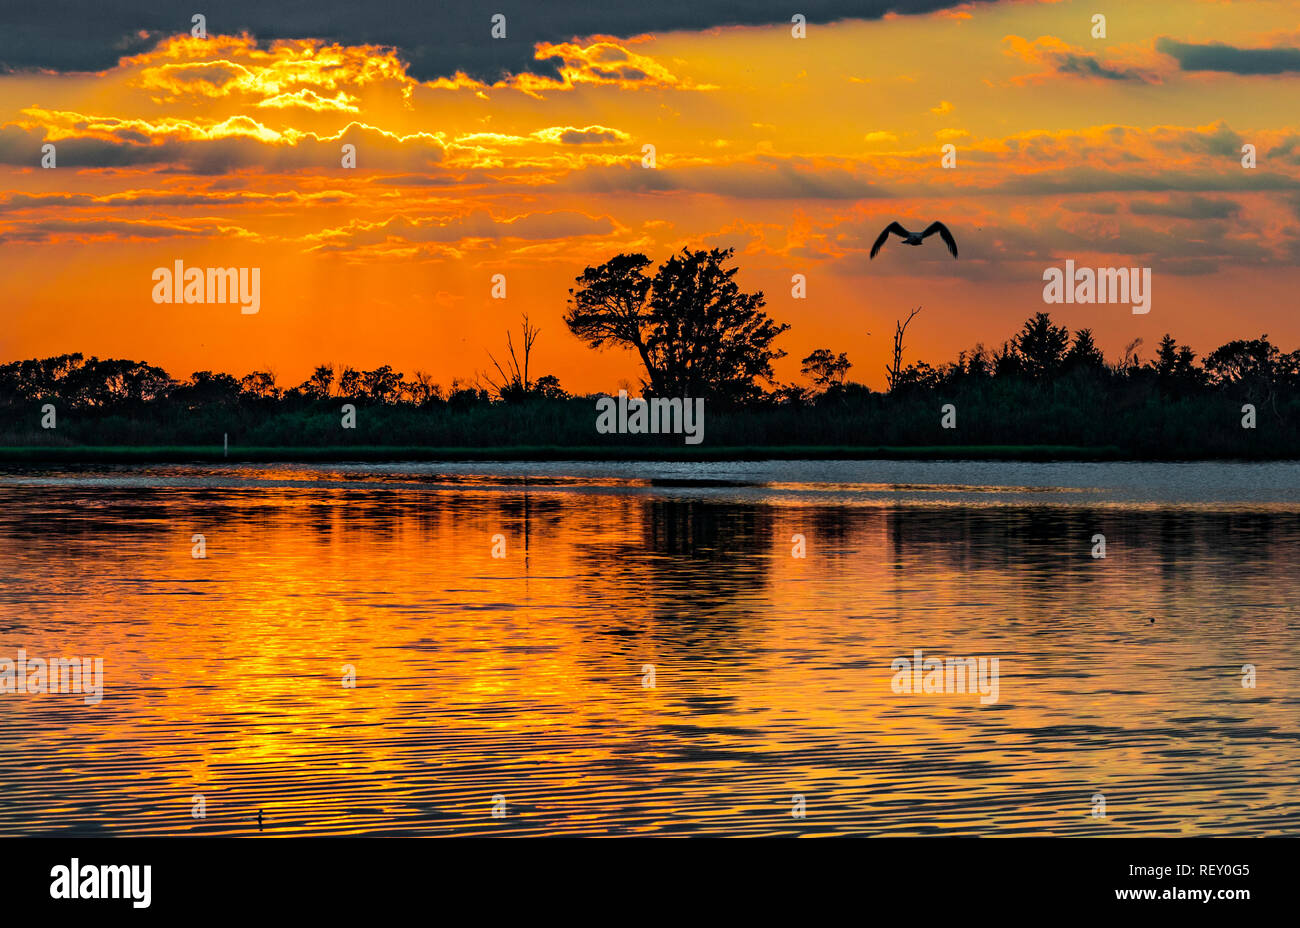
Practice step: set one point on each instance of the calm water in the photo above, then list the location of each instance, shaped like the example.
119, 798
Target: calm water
523, 676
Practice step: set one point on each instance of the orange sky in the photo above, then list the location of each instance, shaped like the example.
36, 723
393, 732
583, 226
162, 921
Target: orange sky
226, 152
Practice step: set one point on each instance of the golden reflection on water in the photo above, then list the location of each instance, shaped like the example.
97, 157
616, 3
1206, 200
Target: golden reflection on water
523, 676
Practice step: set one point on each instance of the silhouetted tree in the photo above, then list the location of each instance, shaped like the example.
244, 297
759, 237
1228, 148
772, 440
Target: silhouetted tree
46, 378
317, 386
382, 385
975, 363
1243, 361
260, 385
918, 376
86, 383
514, 384
1084, 353
421, 390
895, 368
350, 383
1042, 346
1130, 361
1176, 365
825, 369
205, 388
112, 381
695, 331
463, 394
1007, 361
548, 388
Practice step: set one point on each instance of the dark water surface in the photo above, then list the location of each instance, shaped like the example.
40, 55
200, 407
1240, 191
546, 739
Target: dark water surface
523, 676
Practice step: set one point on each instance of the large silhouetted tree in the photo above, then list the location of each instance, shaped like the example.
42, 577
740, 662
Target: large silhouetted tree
696, 332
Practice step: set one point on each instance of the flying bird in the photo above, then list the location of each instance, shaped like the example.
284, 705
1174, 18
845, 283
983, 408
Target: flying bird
916, 238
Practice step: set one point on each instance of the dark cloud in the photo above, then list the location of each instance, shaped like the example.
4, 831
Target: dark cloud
1189, 207
1096, 180
1091, 206
590, 136
1288, 150
61, 229
12, 202
559, 224
1064, 59
1217, 56
1222, 141
1087, 66
767, 178
377, 151
437, 39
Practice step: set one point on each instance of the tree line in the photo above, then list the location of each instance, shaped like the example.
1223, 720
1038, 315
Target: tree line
78, 382
694, 333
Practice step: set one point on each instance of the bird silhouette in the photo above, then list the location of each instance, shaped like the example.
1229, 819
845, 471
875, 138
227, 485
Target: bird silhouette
916, 238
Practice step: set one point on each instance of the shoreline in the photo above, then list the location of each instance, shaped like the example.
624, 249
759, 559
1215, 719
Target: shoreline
136, 454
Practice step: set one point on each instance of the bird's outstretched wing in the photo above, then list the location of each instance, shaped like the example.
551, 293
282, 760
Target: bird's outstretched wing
943, 234
892, 227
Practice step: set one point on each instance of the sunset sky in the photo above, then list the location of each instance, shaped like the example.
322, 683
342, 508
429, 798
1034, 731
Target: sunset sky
523, 156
